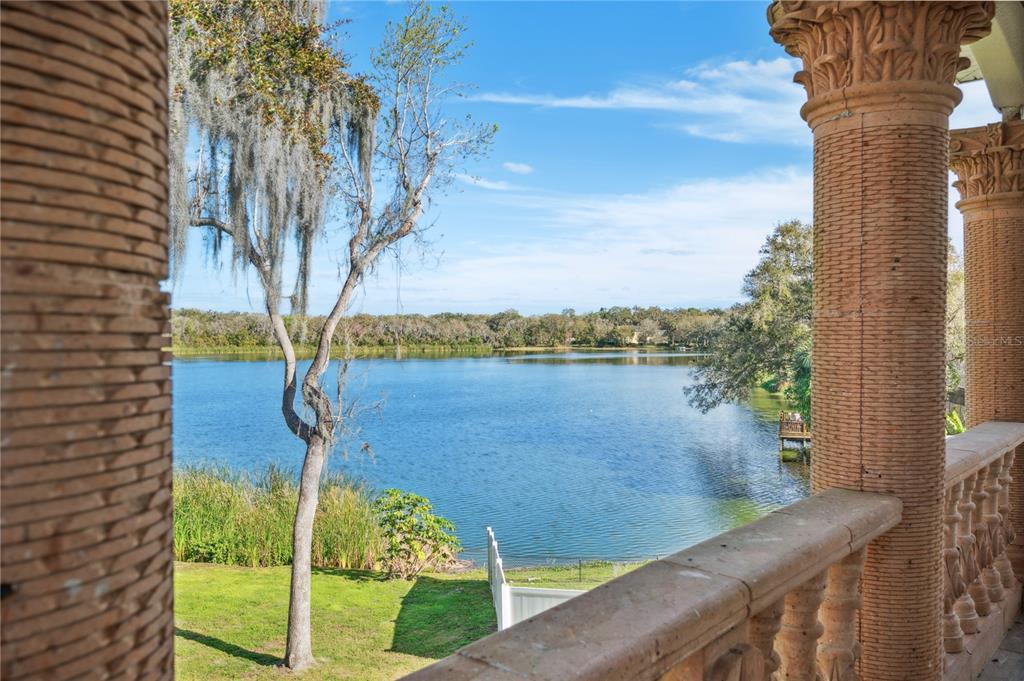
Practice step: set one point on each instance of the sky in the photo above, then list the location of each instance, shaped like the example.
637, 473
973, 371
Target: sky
644, 152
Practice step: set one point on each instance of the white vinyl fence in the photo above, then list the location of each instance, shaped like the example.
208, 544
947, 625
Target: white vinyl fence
513, 604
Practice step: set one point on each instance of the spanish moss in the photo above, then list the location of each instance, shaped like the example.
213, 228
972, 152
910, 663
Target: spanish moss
256, 185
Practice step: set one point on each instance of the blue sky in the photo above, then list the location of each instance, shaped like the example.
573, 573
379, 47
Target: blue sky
645, 151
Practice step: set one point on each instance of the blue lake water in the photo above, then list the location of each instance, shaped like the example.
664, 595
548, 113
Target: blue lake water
576, 455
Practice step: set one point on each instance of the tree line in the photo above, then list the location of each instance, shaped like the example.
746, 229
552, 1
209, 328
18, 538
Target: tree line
688, 328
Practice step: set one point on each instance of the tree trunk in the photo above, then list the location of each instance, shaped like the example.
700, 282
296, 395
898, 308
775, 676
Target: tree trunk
299, 651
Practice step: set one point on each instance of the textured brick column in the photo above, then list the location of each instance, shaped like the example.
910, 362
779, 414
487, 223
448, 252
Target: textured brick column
989, 163
85, 505
879, 80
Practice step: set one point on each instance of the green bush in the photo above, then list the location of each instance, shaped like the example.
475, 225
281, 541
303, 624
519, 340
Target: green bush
954, 425
414, 538
225, 517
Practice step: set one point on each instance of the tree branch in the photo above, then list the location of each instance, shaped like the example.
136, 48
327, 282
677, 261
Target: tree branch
295, 423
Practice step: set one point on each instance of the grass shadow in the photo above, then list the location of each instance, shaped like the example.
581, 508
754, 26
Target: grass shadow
351, 575
229, 648
439, 616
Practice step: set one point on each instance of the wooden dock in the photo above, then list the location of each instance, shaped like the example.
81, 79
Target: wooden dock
792, 428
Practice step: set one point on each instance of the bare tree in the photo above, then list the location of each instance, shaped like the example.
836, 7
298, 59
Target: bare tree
649, 332
272, 166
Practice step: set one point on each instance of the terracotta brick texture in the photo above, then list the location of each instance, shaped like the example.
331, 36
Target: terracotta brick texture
989, 162
879, 79
879, 313
85, 510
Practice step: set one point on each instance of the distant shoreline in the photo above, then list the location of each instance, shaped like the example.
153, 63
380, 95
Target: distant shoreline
412, 350
615, 329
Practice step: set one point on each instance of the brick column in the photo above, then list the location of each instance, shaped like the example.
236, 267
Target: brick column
85, 505
989, 163
879, 78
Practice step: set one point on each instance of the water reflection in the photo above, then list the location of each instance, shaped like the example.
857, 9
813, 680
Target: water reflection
621, 358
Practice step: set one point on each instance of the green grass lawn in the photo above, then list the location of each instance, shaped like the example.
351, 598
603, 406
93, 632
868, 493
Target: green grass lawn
582, 578
231, 621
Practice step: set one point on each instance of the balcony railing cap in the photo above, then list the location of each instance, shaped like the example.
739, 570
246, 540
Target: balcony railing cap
784, 549
976, 448
646, 622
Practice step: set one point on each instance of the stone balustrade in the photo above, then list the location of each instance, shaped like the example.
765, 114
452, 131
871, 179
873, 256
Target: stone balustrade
778, 596
981, 592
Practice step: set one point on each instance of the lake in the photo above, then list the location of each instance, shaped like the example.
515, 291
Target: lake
567, 456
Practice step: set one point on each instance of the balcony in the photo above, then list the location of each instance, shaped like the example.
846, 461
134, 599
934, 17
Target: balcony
778, 596
902, 566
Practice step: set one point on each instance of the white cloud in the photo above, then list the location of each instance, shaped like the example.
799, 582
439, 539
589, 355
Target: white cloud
690, 243
687, 243
496, 185
975, 108
737, 101
517, 168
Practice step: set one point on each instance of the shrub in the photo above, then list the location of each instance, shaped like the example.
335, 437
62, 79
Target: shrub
414, 538
221, 516
954, 425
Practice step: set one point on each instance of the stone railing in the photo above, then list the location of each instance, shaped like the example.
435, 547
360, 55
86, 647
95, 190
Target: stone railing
777, 595
981, 592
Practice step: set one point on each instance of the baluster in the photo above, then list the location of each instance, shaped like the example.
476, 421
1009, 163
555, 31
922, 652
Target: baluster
990, 577
1003, 565
763, 628
964, 607
979, 592
798, 636
952, 633
740, 663
839, 649
731, 657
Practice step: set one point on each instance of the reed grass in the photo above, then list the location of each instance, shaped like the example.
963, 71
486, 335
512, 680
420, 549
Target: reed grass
222, 516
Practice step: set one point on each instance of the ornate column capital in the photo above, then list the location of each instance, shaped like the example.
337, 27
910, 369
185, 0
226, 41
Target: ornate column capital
874, 54
989, 164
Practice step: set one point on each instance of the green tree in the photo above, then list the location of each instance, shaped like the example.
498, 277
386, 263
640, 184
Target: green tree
282, 134
760, 340
767, 340
689, 327
798, 392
